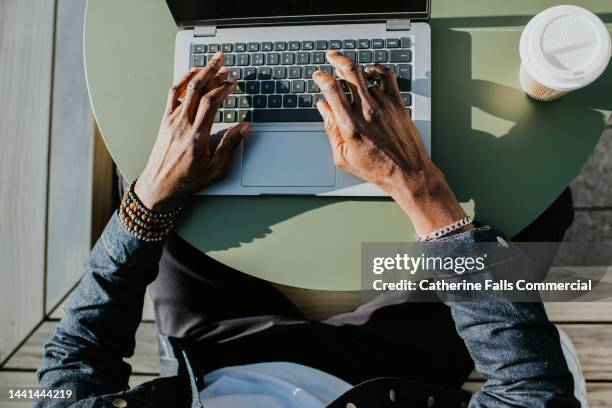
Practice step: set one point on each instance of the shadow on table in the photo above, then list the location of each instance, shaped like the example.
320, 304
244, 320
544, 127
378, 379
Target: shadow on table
480, 164
515, 143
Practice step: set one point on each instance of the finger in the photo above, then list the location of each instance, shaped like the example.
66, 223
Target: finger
387, 79
210, 104
222, 159
352, 73
218, 80
335, 97
196, 86
333, 134
230, 141
174, 95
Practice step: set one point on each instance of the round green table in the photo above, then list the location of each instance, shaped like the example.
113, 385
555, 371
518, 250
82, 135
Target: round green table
506, 156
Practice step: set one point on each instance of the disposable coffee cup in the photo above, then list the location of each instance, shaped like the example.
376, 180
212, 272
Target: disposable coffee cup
562, 49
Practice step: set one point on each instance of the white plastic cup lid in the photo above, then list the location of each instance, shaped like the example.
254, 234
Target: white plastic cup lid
565, 47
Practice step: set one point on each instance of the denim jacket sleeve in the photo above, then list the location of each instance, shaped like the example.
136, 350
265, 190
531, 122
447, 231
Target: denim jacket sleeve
98, 329
513, 344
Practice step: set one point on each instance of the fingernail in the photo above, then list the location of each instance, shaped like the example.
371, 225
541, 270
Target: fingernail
244, 130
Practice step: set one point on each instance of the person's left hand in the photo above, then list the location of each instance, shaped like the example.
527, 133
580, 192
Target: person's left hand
182, 161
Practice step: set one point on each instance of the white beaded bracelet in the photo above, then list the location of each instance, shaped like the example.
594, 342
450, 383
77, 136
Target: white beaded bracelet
446, 230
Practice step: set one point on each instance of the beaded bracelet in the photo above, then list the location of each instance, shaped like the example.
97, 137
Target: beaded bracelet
145, 224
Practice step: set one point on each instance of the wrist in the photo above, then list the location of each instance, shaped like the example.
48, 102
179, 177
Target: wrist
153, 196
428, 200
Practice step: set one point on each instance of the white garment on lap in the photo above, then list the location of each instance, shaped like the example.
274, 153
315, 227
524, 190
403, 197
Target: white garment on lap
271, 385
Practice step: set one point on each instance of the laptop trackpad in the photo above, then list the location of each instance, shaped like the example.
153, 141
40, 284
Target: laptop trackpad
287, 159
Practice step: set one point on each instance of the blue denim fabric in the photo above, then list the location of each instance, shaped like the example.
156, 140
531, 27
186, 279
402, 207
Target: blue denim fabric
514, 345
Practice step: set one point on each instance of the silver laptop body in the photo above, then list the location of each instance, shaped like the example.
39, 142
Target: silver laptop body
281, 157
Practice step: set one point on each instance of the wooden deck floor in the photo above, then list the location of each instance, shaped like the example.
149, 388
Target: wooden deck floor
48, 191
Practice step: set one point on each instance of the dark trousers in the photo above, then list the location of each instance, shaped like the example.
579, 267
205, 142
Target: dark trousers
230, 318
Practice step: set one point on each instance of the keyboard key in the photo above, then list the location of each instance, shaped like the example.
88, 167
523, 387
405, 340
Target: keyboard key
275, 101
350, 54
244, 116
212, 48
287, 115
295, 72
364, 56
335, 44
407, 98
348, 44
391, 67
280, 46
229, 102
260, 101
235, 73
279, 73
227, 47
289, 101
308, 71
380, 56
378, 43
405, 42
199, 48
393, 43
264, 73
273, 58
199, 60
240, 47
252, 87
297, 86
308, 45
229, 116
321, 45
240, 87
228, 60
305, 101
267, 87
242, 60
404, 71
283, 86
250, 73
317, 57
311, 87
288, 58
266, 46
253, 47
217, 118
400, 56
257, 59
317, 99
404, 77
363, 44
246, 101
302, 58
409, 113
327, 68
294, 45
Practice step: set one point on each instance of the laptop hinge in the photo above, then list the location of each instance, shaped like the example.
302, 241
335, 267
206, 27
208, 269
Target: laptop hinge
398, 25
205, 31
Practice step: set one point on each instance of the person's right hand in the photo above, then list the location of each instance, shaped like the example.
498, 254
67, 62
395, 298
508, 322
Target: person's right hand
374, 139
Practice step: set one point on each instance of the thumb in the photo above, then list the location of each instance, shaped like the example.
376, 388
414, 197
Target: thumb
230, 141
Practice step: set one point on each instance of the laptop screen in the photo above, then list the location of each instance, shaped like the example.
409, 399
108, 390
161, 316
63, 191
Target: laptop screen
237, 12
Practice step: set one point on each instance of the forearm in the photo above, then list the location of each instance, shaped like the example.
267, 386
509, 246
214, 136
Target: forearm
101, 318
513, 344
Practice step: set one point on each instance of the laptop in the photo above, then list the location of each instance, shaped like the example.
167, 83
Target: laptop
271, 48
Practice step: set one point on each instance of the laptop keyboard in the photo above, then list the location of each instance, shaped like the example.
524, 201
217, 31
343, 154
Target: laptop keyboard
275, 78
